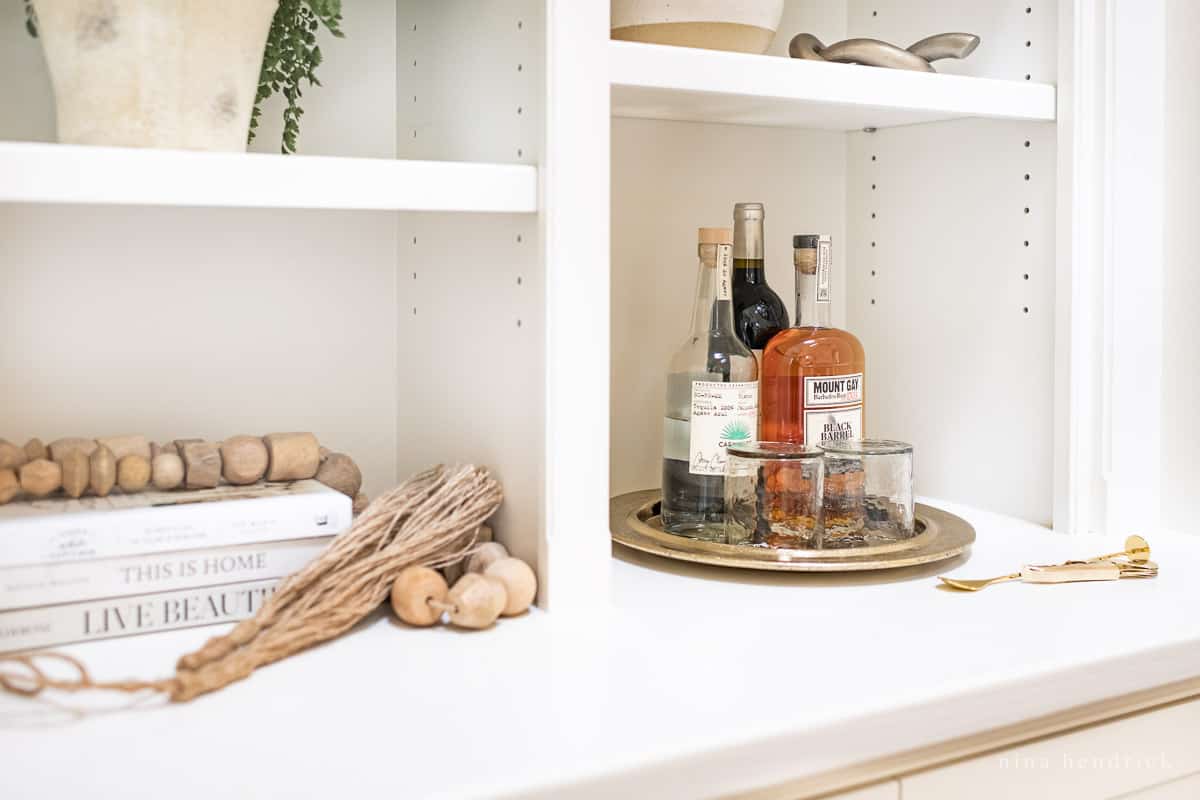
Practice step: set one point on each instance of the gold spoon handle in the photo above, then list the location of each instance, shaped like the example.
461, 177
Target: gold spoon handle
1071, 572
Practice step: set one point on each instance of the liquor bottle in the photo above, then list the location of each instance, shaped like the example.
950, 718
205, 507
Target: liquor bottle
758, 313
712, 400
812, 374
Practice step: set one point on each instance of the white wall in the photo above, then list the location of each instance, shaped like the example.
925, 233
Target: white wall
1181, 319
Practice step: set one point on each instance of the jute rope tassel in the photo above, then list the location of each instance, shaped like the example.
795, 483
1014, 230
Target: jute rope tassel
429, 520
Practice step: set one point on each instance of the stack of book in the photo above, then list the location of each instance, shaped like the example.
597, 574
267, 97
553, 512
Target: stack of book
98, 567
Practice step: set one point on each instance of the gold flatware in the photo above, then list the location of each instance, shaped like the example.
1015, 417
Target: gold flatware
976, 585
1132, 562
1136, 550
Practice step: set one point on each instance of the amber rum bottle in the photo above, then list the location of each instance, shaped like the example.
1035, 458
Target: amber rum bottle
758, 313
712, 400
812, 374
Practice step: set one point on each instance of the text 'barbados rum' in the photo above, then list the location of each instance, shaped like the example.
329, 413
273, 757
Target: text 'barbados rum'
812, 373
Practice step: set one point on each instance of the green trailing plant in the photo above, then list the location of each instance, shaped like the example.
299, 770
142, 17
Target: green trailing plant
290, 57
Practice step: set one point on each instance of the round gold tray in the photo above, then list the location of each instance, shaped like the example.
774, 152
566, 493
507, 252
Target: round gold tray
634, 522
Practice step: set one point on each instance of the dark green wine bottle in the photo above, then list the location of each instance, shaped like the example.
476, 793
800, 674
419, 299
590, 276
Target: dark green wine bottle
758, 313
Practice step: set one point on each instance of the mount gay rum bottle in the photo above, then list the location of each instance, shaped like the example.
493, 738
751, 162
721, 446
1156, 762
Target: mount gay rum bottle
812, 374
712, 400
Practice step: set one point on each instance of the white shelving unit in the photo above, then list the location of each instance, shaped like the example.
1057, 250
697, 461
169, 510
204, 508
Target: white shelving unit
52, 173
679, 83
486, 253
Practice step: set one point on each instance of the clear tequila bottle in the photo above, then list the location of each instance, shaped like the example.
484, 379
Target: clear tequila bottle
712, 400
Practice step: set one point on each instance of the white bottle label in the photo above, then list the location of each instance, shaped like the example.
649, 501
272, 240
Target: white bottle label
824, 264
832, 425
723, 414
724, 272
833, 390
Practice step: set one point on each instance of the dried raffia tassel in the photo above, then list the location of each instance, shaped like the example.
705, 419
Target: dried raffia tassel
430, 519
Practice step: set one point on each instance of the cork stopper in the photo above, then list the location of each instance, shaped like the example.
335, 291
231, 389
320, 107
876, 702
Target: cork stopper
805, 261
716, 236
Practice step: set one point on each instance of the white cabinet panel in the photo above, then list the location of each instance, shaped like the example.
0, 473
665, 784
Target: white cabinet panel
1183, 789
1098, 762
879, 791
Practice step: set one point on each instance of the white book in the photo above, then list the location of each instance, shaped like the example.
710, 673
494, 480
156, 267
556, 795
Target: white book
76, 581
49, 626
61, 529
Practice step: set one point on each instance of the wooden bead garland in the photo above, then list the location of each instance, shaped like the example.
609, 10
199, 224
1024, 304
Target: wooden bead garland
476, 601
40, 478
34, 449
520, 584
79, 466
133, 473
506, 587
102, 471
76, 471
166, 471
10, 487
419, 596
485, 556
11, 456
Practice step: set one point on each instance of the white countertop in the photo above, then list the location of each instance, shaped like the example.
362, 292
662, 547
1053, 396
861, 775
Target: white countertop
698, 682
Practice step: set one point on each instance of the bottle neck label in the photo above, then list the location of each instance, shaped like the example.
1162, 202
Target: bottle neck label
724, 272
824, 264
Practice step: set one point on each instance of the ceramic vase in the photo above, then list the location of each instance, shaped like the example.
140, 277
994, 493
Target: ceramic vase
155, 73
746, 26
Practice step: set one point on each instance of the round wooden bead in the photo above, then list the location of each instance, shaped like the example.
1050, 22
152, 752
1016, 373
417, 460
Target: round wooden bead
361, 501
484, 533
103, 471
10, 487
11, 456
414, 588
166, 471
133, 473
293, 456
60, 447
243, 460
520, 584
338, 471
487, 553
34, 449
40, 478
476, 601
76, 471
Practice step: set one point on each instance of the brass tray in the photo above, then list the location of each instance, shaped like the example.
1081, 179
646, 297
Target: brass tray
634, 522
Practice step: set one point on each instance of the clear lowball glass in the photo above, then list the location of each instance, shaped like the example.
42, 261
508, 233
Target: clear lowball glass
868, 493
773, 495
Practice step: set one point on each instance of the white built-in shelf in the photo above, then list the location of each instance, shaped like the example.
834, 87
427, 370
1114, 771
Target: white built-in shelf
679, 83
53, 173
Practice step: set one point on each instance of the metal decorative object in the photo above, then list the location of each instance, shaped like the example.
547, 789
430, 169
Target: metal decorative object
876, 53
634, 523
1132, 562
